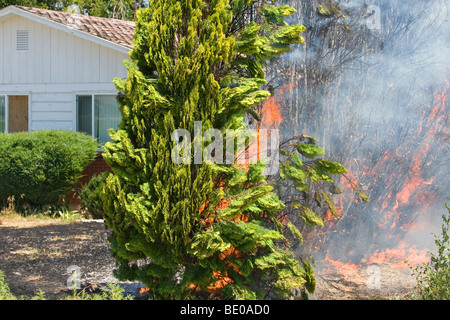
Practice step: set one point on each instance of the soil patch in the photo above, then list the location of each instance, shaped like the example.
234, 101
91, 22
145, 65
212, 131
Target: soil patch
41, 256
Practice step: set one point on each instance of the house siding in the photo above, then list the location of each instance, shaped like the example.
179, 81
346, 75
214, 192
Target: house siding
56, 68
52, 111
54, 57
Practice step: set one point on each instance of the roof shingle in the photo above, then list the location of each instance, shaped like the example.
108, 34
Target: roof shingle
120, 32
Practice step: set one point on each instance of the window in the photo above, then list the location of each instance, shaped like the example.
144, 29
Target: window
97, 120
2, 113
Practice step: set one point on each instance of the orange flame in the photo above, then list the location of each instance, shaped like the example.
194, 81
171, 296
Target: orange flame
271, 114
144, 290
398, 258
349, 271
221, 282
270, 111
344, 268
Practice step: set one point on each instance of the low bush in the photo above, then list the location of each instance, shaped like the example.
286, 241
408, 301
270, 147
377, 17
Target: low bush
5, 292
112, 291
433, 278
90, 195
42, 167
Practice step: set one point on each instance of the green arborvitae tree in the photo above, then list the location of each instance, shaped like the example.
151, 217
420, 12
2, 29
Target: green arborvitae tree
195, 230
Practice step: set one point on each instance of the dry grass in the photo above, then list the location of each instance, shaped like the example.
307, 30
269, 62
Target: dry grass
36, 253
11, 218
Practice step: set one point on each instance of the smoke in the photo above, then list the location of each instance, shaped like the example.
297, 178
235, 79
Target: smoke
375, 99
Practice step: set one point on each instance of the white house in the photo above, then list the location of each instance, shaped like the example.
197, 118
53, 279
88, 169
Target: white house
57, 68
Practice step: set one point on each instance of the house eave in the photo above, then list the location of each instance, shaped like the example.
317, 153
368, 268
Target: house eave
12, 10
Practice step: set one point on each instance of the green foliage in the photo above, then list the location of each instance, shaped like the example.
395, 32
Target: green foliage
5, 292
118, 9
272, 36
310, 150
197, 230
295, 231
90, 195
309, 216
329, 8
311, 181
27, 3
112, 291
303, 172
433, 278
41, 167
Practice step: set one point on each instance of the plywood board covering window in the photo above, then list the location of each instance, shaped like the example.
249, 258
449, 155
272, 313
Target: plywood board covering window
17, 113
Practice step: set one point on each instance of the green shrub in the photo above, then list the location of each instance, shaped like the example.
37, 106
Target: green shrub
111, 292
5, 293
42, 167
433, 278
90, 195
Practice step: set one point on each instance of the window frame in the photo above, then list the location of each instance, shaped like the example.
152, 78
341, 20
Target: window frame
7, 94
92, 95
6, 112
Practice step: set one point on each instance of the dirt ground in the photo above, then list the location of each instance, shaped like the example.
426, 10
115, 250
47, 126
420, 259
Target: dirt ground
41, 256
38, 255
387, 283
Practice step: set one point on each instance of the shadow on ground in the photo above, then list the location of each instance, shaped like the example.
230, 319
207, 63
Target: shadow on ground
42, 257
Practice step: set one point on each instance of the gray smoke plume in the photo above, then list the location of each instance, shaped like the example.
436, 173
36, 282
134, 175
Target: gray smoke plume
370, 84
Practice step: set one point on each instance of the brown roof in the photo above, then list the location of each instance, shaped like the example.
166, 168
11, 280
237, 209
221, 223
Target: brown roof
118, 31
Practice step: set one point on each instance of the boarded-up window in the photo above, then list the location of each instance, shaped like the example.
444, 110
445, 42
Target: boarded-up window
17, 113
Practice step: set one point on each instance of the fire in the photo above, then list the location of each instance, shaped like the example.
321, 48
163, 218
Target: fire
398, 258
415, 187
348, 271
221, 282
348, 184
348, 268
144, 290
271, 113
411, 187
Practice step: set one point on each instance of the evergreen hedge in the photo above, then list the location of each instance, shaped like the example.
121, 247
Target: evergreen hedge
90, 195
41, 167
